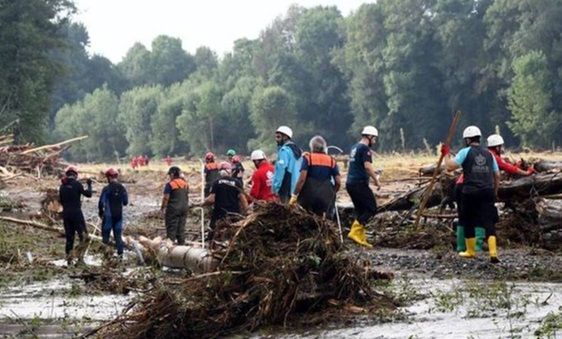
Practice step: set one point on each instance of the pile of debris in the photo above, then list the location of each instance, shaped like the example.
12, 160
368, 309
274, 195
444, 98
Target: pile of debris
16, 160
280, 264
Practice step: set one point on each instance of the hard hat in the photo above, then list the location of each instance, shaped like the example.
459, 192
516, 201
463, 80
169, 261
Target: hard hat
370, 130
235, 159
111, 172
71, 170
471, 131
225, 166
495, 140
231, 152
175, 171
285, 130
257, 155
210, 156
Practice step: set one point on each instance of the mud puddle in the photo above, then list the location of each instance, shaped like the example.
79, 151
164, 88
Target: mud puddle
461, 309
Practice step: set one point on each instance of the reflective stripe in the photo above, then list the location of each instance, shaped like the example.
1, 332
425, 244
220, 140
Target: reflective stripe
319, 159
178, 184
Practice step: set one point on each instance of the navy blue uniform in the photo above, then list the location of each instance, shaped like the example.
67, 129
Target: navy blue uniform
318, 193
70, 192
112, 199
357, 184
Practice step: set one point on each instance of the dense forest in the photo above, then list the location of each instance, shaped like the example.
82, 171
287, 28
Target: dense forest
402, 65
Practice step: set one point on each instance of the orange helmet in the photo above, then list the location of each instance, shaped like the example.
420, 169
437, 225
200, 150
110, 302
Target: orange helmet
71, 170
111, 172
235, 159
210, 156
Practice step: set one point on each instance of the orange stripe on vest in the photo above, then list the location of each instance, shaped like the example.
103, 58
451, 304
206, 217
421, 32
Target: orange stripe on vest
178, 184
211, 166
320, 159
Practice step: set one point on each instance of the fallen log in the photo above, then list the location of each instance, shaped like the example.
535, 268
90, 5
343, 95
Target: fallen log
545, 166
531, 186
54, 145
194, 258
550, 222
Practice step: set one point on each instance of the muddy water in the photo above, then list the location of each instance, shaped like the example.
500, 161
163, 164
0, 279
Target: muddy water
461, 309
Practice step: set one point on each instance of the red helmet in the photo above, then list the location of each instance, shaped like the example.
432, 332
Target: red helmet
111, 172
210, 156
71, 170
235, 159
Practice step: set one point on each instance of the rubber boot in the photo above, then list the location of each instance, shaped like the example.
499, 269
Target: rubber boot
480, 233
470, 248
493, 249
461, 246
357, 234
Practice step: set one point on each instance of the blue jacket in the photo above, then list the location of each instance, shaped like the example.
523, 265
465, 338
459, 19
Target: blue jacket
287, 169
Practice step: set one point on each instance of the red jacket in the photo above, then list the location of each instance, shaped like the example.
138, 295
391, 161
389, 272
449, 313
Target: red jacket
261, 182
504, 165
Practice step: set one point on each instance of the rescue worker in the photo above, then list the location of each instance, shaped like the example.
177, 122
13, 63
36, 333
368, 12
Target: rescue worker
70, 192
357, 184
211, 171
230, 154
226, 196
262, 177
146, 160
319, 179
481, 181
495, 143
110, 209
237, 168
174, 205
287, 165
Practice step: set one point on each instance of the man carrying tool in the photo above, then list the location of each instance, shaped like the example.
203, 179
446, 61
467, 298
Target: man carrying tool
262, 177
319, 179
481, 181
70, 192
287, 165
495, 144
211, 171
110, 209
226, 196
357, 184
174, 205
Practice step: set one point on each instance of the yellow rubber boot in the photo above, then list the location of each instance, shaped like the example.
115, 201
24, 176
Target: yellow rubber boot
493, 249
357, 234
470, 248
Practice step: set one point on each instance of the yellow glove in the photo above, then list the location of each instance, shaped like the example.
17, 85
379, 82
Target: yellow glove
293, 200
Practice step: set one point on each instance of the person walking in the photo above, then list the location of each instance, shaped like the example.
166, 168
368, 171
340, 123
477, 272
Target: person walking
110, 209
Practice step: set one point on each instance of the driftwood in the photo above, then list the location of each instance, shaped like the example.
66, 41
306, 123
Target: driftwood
194, 258
545, 166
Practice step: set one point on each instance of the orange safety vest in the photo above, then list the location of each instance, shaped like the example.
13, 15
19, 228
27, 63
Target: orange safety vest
319, 159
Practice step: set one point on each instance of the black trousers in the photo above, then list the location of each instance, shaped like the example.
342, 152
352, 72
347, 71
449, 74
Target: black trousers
363, 201
73, 223
478, 210
175, 225
317, 196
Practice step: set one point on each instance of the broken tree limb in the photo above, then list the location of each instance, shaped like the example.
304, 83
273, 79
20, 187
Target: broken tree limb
426, 195
531, 186
195, 258
42, 226
54, 145
545, 166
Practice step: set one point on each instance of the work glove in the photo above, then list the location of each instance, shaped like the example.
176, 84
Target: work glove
293, 200
89, 182
531, 170
445, 150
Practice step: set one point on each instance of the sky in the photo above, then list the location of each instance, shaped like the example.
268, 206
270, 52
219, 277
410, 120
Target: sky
115, 25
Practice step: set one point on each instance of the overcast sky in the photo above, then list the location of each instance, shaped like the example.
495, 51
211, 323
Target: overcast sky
115, 25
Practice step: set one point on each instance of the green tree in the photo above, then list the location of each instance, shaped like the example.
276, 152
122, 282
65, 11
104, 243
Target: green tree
138, 107
135, 66
29, 32
534, 120
271, 107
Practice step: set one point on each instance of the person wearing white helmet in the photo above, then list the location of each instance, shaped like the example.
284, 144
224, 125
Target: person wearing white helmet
357, 184
495, 144
319, 179
287, 165
481, 181
262, 177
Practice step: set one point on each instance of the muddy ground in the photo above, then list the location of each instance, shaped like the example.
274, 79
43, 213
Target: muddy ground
441, 295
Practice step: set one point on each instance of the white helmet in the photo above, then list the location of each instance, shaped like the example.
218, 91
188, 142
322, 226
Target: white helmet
285, 130
257, 155
370, 130
471, 131
495, 140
